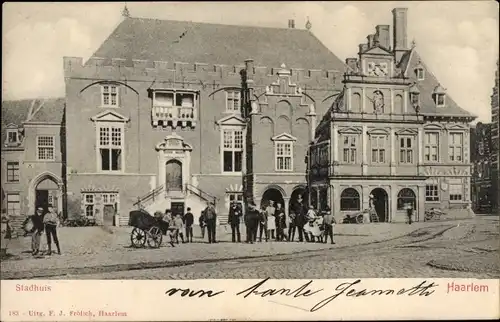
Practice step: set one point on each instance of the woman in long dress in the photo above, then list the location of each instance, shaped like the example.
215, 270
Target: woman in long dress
271, 220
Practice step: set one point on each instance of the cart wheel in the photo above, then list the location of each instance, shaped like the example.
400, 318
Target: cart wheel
138, 238
359, 219
154, 237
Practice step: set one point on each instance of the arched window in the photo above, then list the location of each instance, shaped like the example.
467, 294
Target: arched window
406, 197
356, 103
349, 200
398, 104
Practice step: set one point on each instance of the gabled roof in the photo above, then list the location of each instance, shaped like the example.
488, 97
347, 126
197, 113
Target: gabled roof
182, 41
49, 110
427, 86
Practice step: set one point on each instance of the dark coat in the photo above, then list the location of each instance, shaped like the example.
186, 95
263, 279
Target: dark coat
300, 211
280, 218
188, 219
234, 215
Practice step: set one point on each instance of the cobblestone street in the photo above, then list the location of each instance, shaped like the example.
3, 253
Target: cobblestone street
466, 248
433, 252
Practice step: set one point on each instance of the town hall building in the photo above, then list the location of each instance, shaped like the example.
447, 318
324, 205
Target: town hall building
393, 138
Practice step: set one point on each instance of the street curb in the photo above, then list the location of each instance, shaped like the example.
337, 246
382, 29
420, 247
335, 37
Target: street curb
167, 264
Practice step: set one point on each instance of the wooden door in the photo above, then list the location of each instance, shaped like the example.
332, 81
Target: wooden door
173, 180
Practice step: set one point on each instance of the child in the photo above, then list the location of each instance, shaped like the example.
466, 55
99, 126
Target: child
179, 225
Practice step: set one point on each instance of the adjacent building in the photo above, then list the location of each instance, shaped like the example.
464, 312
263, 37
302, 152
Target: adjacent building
158, 116
393, 138
483, 193
32, 156
495, 130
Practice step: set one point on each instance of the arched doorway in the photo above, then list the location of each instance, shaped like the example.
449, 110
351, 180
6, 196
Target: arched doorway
47, 193
407, 198
380, 201
273, 194
298, 192
173, 175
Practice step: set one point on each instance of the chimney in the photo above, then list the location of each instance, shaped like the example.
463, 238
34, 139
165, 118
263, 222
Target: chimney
291, 23
399, 31
363, 48
383, 36
352, 63
370, 40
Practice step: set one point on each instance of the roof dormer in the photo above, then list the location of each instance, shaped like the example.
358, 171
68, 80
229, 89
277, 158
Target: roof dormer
439, 96
419, 71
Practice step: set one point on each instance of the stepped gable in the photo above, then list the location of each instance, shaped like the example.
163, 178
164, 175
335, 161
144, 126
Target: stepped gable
167, 40
427, 86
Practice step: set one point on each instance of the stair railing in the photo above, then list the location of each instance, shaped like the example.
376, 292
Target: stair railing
202, 194
151, 195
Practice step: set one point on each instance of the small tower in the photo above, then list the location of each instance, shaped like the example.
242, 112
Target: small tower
125, 11
308, 24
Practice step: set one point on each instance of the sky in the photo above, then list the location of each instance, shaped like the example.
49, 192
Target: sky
458, 41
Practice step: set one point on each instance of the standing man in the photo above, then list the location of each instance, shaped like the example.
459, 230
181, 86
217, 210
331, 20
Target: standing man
280, 222
189, 220
252, 222
300, 218
328, 222
50, 221
291, 224
211, 217
263, 224
234, 220
37, 230
203, 223
409, 212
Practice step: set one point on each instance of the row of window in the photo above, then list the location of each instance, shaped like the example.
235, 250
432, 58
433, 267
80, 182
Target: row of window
45, 145
379, 146
110, 98
90, 204
350, 198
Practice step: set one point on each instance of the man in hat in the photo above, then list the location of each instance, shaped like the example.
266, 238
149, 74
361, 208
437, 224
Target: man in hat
252, 222
211, 218
50, 220
234, 221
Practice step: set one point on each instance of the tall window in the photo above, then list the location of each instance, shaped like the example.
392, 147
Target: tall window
283, 155
456, 189
110, 147
378, 148
13, 204
232, 150
431, 146
13, 171
109, 95
89, 204
431, 192
350, 151
406, 198
349, 200
455, 147
406, 150
45, 147
233, 101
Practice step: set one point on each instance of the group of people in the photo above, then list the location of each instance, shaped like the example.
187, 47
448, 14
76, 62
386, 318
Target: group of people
272, 222
42, 221
177, 224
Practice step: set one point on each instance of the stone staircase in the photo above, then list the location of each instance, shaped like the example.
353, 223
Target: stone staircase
159, 199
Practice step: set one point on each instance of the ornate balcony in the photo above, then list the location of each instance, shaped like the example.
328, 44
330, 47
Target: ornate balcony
174, 107
174, 116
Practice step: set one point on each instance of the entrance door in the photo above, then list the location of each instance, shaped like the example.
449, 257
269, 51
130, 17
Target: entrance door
381, 204
173, 180
108, 215
42, 199
177, 208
